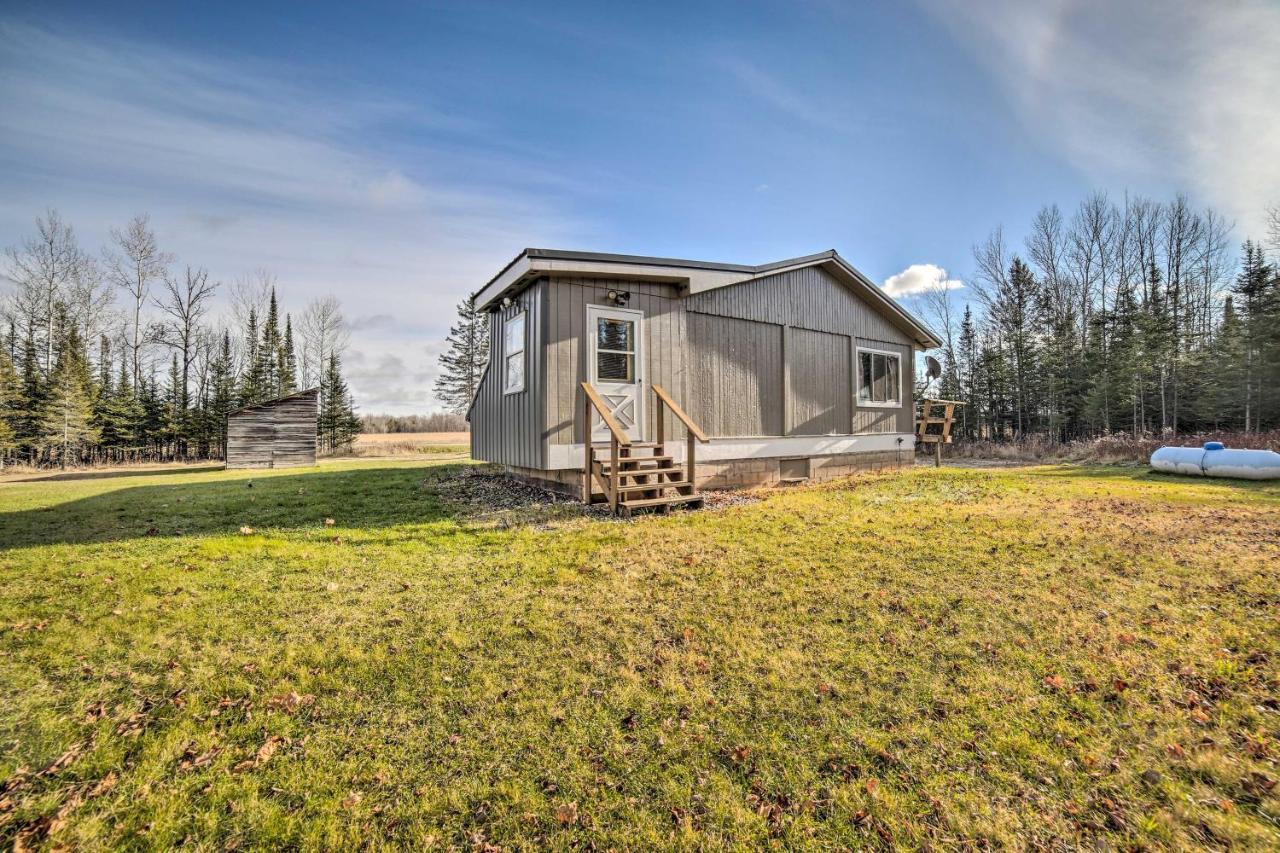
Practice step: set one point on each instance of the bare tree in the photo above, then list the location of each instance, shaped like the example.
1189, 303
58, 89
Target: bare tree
251, 292
45, 267
323, 330
1273, 228
184, 304
134, 264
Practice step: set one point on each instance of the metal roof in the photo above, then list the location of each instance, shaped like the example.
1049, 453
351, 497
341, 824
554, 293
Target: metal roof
698, 275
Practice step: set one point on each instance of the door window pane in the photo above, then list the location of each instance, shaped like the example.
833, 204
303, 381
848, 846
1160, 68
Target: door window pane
615, 367
615, 334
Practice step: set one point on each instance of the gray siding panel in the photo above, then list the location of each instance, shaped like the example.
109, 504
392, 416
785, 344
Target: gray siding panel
507, 428
664, 349
735, 375
820, 385
809, 298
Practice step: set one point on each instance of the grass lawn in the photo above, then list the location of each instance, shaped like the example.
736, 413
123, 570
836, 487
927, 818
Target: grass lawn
1021, 657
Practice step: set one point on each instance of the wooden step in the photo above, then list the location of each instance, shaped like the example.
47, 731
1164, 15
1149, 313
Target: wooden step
633, 445
668, 501
646, 472
649, 487
629, 463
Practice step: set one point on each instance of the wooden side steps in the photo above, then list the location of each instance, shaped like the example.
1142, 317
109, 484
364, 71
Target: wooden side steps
629, 480
643, 482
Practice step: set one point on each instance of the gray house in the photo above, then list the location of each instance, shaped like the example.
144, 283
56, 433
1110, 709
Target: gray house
638, 380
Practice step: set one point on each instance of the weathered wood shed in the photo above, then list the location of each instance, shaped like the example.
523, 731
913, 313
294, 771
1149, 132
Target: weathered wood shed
279, 433
798, 369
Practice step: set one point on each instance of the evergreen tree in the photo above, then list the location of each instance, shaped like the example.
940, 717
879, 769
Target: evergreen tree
66, 420
10, 400
462, 364
252, 381
288, 361
337, 423
175, 413
269, 352
222, 394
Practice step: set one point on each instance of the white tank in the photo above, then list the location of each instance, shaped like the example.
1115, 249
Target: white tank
1216, 460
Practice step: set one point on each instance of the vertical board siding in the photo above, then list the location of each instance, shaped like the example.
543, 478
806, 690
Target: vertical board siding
809, 298
507, 428
566, 349
820, 383
735, 375
275, 434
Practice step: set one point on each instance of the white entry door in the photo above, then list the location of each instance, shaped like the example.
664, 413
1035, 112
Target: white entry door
615, 366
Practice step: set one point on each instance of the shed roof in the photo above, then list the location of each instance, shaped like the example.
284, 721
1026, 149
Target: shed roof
694, 276
268, 403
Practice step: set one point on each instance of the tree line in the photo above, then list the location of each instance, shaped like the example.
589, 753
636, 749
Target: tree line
120, 357
1136, 317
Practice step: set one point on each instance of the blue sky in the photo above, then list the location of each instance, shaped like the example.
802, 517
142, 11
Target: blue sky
397, 155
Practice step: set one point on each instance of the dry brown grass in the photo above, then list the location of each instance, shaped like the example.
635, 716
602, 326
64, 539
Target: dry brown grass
376, 438
408, 444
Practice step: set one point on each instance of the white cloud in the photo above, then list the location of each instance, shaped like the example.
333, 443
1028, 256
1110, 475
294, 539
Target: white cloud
242, 168
919, 278
1179, 94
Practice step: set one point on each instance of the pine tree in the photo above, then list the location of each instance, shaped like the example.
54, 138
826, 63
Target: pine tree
337, 423
175, 414
288, 361
462, 364
222, 394
269, 351
66, 420
10, 399
252, 382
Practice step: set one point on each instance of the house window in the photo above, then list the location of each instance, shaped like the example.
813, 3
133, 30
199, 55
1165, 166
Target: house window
879, 378
513, 352
615, 350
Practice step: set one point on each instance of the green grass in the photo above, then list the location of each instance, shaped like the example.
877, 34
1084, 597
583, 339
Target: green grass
1017, 657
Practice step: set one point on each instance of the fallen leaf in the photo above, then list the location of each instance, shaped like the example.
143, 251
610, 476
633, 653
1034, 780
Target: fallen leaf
567, 814
1055, 682
352, 800
290, 701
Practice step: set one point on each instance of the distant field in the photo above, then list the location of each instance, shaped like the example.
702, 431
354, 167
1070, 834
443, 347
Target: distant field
375, 438
362, 655
402, 444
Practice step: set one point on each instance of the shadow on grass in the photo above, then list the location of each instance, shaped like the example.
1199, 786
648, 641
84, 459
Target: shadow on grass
107, 473
362, 498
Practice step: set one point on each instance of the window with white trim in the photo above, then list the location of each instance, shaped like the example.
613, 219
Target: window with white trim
513, 353
879, 378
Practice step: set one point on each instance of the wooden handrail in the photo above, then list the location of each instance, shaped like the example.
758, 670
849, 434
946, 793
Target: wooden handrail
693, 428
615, 428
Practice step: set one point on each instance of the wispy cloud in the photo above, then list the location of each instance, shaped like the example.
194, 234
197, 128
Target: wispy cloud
242, 167
1180, 92
920, 278
779, 95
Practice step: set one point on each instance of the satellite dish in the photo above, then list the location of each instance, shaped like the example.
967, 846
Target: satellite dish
932, 368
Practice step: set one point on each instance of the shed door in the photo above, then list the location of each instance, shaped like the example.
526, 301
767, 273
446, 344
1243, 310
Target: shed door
615, 366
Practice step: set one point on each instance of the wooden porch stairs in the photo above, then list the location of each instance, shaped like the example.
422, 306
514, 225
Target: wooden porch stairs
631, 480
